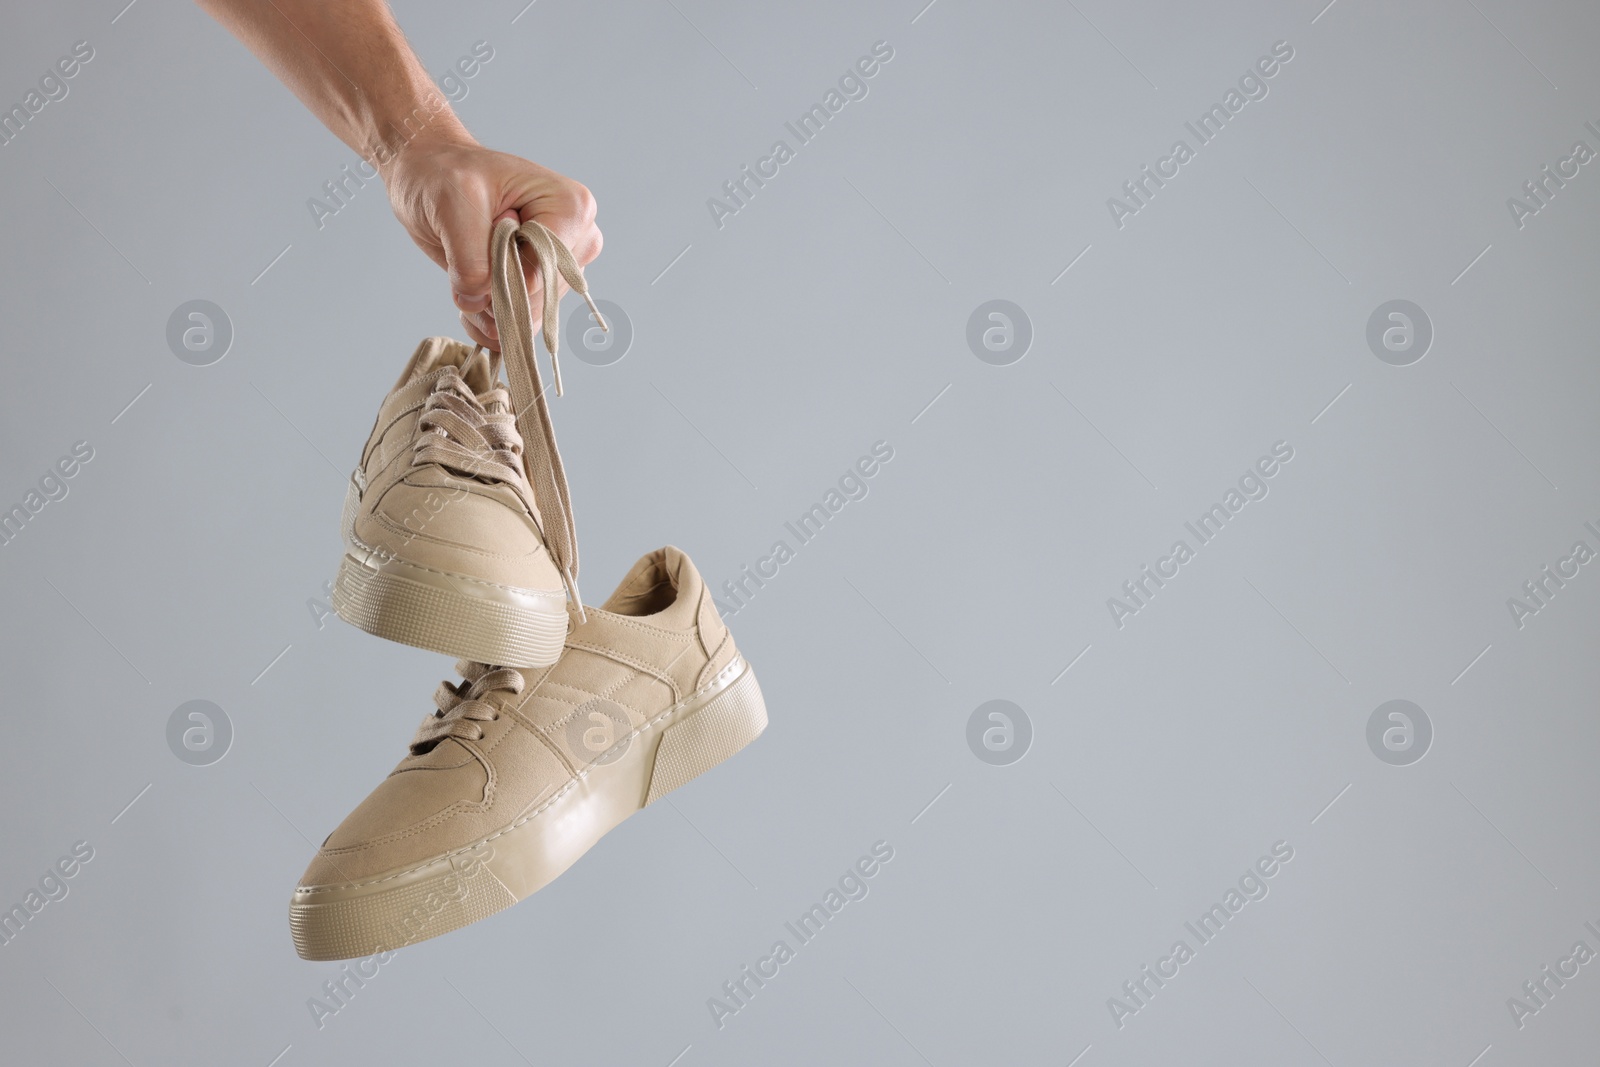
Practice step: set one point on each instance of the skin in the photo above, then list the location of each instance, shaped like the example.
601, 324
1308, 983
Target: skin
350, 65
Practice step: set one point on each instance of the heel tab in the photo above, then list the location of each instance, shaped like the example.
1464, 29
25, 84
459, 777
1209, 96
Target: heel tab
639, 592
677, 563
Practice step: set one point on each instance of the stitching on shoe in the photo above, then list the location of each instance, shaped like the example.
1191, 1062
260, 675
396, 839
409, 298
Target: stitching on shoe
546, 732
629, 661
571, 717
417, 535
444, 814
711, 660
563, 791
632, 623
551, 593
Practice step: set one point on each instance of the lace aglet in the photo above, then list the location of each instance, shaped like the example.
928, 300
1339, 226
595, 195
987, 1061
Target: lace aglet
594, 309
573, 595
552, 343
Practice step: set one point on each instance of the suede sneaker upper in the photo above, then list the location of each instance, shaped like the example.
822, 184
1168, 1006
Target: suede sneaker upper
518, 772
458, 522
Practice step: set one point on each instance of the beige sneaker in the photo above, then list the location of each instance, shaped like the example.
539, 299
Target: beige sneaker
457, 524
520, 772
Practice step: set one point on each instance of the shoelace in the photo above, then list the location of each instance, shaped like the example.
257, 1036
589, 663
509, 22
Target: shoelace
513, 314
462, 706
471, 435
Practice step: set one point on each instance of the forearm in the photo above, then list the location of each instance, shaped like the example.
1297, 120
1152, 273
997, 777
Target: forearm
349, 64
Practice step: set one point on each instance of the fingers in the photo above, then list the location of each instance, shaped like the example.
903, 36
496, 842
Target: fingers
461, 214
480, 327
570, 215
584, 241
464, 227
588, 250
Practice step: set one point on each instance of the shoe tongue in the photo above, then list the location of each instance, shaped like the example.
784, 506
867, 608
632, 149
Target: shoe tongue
475, 371
479, 375
438, 352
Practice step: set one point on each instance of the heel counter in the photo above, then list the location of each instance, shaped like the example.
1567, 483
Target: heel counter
715, 638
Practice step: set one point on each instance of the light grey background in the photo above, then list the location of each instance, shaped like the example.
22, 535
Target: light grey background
1227, 715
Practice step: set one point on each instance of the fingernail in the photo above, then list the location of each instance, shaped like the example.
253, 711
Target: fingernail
468, 303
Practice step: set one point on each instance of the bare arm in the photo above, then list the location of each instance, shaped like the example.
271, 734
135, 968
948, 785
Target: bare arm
350, 65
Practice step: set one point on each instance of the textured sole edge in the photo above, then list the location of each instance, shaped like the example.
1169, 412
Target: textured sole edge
446, 895
425, 615
458, 889
698, 742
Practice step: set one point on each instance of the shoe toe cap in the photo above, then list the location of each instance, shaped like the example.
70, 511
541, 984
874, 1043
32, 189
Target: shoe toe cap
416, 814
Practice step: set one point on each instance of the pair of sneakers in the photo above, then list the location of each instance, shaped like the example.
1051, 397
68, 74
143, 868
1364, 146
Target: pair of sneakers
567, 719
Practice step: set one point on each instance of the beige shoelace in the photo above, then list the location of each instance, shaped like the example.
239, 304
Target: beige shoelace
513, 314
473, 435
462, 705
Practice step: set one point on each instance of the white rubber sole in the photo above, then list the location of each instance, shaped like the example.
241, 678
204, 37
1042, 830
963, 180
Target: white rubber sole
402, 907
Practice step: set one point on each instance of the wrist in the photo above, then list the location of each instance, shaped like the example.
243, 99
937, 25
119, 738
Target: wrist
429, 124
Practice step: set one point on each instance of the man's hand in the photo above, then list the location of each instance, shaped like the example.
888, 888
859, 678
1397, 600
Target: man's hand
449, 191
350, 64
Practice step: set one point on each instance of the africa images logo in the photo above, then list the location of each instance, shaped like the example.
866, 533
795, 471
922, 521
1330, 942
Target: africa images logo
1208, 127
851, 886
1252, 886
1252, 485
852, 85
